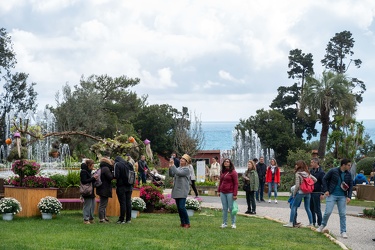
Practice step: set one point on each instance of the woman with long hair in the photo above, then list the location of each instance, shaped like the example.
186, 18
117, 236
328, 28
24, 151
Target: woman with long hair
227, 191
88, 200
273, 179
301, 171
251, 184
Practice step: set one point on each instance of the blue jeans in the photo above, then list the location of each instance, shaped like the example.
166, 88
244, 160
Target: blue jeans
259, 193
270, 184
315, 208
341, 206
227, 202
296, 203
184, 218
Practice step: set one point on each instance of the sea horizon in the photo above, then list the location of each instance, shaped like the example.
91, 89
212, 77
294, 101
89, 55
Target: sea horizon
218, 135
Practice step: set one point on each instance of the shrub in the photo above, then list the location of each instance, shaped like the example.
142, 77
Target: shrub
366, 165
167, 203
38, 182
73, 178
25, 167
193, 204
299, 154
60, 180
151, 194
206, 183
369, 212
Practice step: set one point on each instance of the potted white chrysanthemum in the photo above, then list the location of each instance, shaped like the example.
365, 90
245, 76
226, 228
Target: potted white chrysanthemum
9, 207
48, 206
138, 205
192, 205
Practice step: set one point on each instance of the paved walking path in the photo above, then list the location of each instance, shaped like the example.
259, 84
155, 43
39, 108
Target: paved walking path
360, 231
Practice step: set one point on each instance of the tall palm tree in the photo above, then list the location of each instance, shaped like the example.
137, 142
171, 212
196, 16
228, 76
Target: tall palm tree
332, 94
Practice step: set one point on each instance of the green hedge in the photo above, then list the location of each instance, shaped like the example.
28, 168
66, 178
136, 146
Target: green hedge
366, 165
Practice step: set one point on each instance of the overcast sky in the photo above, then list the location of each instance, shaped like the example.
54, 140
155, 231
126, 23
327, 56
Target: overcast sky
222, 59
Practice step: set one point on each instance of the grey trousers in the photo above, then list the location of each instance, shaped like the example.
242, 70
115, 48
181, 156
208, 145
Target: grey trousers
88, 208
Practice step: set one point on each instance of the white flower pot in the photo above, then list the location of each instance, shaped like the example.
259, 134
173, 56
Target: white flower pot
134, 214
190, 212
46, 216
8, 216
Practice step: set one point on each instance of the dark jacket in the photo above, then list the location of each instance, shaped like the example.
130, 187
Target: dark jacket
318, 174
261, 170
106, 177
87, 178
121, 173
142, 165
332, 178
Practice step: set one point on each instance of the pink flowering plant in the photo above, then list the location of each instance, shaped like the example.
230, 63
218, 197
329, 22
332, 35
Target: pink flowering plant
151, 194
10, 205
168, 203
25, 167
49, 204
31, 181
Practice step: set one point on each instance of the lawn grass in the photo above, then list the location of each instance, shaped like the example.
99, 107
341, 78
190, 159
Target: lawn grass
156, 231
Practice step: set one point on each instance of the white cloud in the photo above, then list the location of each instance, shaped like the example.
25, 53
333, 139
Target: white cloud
226, 54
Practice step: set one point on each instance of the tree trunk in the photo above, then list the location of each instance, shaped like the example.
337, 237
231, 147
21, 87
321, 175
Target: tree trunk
324, 118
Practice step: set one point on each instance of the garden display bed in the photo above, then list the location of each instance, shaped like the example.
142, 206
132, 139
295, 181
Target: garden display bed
29, 198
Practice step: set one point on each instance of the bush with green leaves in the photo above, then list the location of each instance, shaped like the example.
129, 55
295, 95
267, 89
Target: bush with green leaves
299, 154
60, 180
73, 178
366, 165
369, 212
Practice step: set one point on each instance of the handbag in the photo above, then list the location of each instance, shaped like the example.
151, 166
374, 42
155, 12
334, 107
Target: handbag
85, 189
246, 187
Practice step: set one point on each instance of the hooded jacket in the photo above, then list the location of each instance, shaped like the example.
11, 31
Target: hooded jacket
85, 176
106, 166
121, 173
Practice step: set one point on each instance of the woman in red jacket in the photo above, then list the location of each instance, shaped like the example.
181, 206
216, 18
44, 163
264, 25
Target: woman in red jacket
227, 190
273, 179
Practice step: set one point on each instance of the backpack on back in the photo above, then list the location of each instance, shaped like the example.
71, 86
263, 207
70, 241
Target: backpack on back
307, 185
98, 182
130, 174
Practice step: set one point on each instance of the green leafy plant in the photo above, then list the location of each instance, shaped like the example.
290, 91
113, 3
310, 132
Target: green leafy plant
49, 204
60, 180
206, 183
10, 205
73, 178
138, 204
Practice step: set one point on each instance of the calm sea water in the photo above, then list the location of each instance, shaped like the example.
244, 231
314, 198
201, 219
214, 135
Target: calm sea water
218, 135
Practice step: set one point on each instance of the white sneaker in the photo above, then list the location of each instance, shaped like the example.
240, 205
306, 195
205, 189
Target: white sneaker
223, 226
288, 225
320, 229
269, 200
344, 235
234, 226
275, 201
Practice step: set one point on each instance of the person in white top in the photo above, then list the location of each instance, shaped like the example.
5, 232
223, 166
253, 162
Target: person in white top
215, 169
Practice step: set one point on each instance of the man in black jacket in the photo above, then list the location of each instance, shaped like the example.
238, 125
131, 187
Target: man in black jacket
261, 170
318, 193
337, 187
123, 189
142, 169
